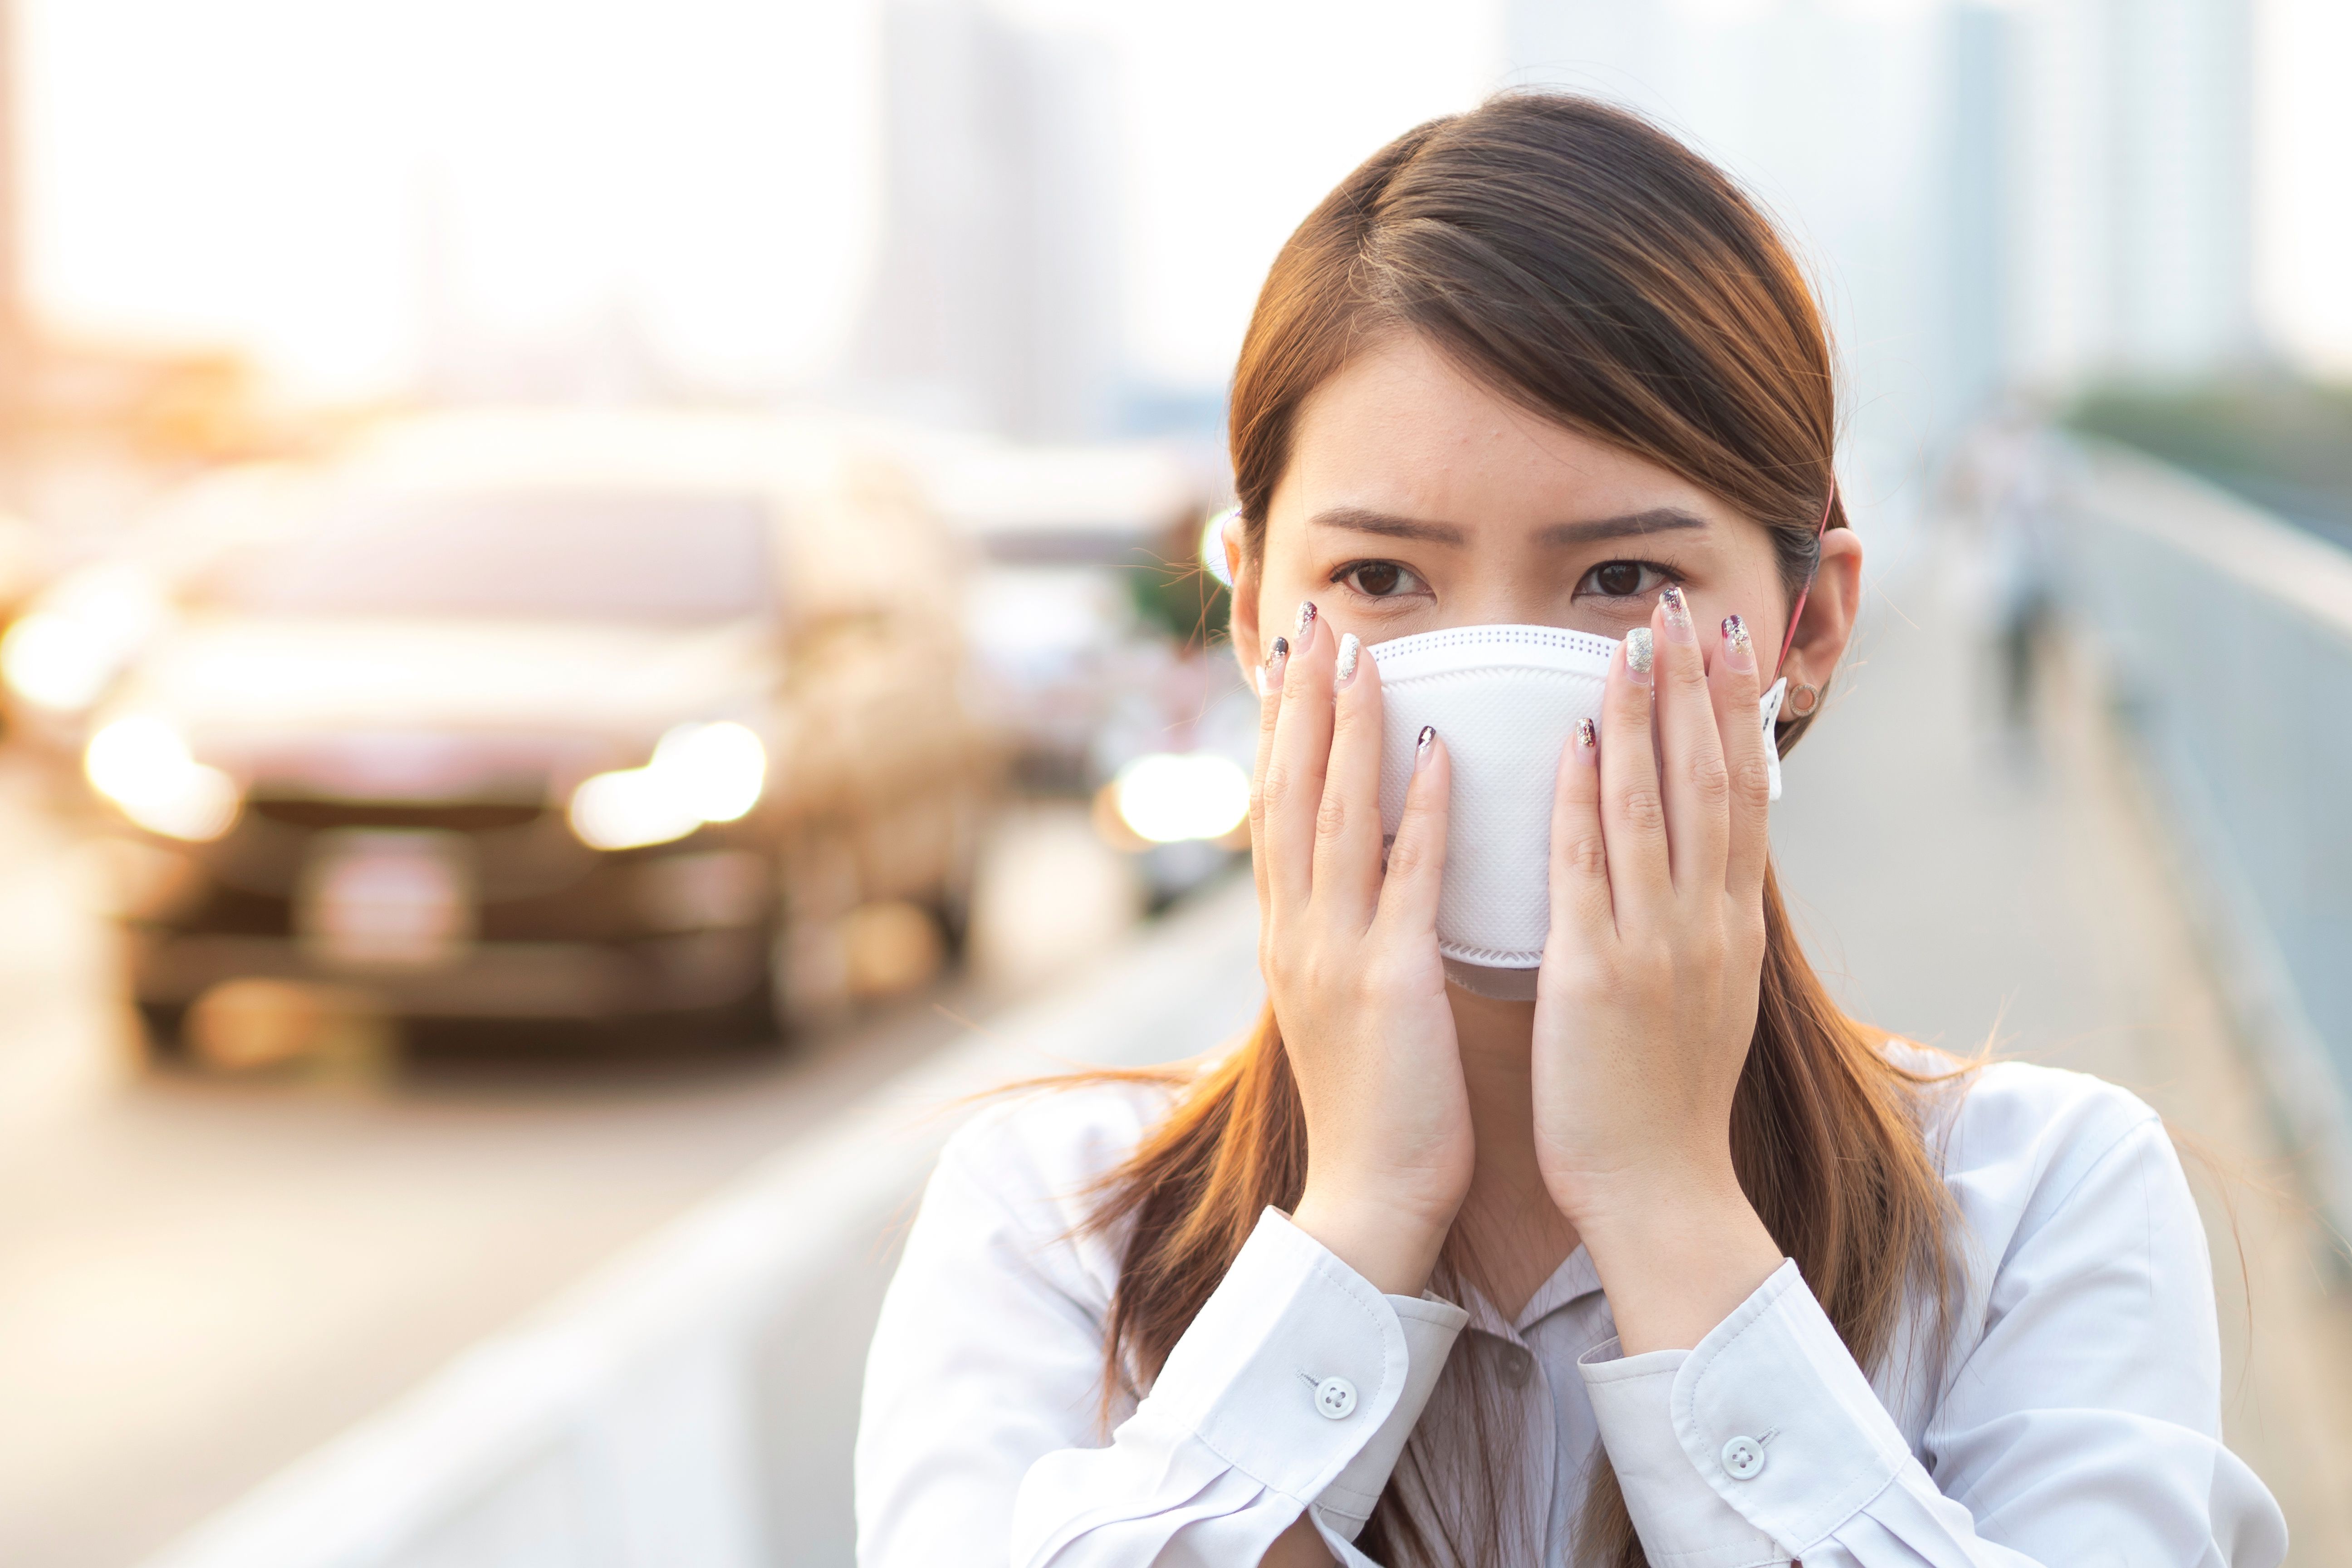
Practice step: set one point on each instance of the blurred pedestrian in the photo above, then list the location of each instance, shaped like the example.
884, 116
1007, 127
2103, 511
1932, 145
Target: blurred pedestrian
2004, 480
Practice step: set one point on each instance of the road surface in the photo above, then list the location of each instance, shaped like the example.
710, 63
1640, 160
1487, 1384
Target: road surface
202, 1279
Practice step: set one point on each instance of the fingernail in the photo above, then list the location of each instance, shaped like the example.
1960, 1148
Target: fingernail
1737, 651
1277, 658
1346, 672
1588, 742
1638, 654
1306, 619
1678, 621
1422, 747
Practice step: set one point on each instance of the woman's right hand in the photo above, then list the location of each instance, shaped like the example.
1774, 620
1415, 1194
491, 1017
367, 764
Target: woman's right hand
1348, 949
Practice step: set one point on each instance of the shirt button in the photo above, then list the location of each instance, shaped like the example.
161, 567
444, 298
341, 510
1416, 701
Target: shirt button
1335, 1398
1744, 1458
1517, 1367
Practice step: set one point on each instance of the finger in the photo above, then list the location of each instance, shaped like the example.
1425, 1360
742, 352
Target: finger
1290, 785
1269, 708
1581, 910
1347, 827
1416, 865
1632, 813
1690, 749
1734, 682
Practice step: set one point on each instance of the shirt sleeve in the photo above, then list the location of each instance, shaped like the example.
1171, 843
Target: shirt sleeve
2082, 1427
1294, 1389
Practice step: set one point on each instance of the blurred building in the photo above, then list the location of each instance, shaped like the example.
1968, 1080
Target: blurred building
2126, 150
994, 303
1974, 232
117, 406
2040, 192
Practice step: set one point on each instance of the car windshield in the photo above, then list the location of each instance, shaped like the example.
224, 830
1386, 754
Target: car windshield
542, 554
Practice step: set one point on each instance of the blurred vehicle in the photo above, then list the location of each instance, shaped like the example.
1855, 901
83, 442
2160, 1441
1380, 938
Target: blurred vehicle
75, 638
1094, 623
1065, 536
26, 563
555, 715
1175, 760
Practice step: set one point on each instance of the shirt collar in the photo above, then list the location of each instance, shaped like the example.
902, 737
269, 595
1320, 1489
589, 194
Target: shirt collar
1574, 1280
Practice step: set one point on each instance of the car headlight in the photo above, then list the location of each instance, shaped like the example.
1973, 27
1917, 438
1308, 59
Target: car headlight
699, 774
58, 661
143, 766
64, 654
1168, 798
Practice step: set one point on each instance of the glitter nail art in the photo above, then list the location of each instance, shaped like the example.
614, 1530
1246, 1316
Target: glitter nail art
1736, 643
1306, 613
1346, 672
1587, 735
1678, 621
1269, 676
1428, 734
1639, 651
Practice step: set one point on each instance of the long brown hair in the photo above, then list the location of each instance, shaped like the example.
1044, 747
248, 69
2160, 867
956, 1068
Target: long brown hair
1592, 269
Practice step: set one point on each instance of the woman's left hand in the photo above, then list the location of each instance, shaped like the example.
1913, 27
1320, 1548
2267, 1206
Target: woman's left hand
1646, 1000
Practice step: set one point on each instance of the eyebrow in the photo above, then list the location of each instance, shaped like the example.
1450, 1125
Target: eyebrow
1361, 520
1656, 520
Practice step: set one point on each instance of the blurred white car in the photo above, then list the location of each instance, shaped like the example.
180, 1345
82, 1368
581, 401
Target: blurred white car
553, 715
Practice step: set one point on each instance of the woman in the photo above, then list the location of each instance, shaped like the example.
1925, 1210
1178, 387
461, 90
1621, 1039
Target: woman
1673, 1263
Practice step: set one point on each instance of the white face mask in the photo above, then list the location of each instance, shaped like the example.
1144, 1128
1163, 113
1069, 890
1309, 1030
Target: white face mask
1504, 699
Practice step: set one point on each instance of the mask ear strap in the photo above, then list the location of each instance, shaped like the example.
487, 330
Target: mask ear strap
1798, 614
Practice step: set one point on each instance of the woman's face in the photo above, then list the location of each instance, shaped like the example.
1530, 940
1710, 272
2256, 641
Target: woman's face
1417, 499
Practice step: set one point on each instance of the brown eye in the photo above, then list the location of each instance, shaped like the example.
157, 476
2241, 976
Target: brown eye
1617, 579
1380, 579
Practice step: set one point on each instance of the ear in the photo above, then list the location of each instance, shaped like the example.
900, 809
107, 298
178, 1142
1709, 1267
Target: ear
1831, 606
1242, 624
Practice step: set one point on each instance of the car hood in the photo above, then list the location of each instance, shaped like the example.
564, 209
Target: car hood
233, 684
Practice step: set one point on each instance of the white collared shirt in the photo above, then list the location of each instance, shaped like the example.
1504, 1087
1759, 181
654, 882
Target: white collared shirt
2076, 1419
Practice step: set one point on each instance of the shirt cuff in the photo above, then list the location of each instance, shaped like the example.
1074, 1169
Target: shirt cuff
1430, 1324
1681, 1520
1300, 1374
1771, 1419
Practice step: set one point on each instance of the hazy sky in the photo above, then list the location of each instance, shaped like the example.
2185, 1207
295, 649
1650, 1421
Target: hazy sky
317, 179
321, 181
313, 178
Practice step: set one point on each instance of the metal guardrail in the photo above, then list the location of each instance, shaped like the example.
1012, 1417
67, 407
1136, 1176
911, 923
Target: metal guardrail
2229, 638
695, 1402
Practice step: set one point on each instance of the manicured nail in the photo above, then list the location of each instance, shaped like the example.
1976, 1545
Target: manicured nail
1588, 742
1422, 747
1277, 659
1738, 652
1639, 652
1305, 615
1678, 621
1345, 671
